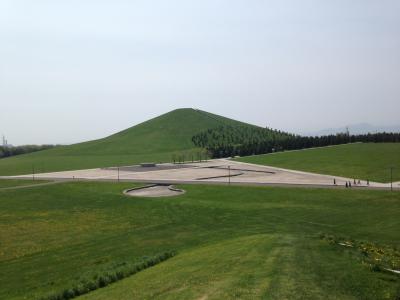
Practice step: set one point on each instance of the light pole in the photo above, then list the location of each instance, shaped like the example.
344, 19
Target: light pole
229, 168
391, 178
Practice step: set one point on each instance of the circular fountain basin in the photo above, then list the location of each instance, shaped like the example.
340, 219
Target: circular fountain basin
154, 191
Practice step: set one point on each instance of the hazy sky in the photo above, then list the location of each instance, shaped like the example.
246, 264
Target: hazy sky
83, 69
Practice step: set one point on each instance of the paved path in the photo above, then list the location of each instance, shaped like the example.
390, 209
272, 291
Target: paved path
218, 171
19, 187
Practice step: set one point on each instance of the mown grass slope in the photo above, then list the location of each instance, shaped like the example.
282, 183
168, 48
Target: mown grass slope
232, 242
156, 140
360, 161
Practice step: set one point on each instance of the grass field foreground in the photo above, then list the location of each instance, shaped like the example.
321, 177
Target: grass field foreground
230, 242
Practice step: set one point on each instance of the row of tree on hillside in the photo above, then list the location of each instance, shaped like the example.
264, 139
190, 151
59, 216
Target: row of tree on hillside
190, 156
17, 150
228, 141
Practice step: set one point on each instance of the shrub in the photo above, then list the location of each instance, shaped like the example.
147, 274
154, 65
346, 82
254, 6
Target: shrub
99, 281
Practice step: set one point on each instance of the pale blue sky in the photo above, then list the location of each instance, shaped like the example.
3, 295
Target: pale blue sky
77, 70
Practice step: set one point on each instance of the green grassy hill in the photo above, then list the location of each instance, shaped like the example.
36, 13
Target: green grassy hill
156, 140
231, 242
363, 161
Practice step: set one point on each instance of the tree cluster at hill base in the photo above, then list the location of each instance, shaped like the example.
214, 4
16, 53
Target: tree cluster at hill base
18, 150
229, 141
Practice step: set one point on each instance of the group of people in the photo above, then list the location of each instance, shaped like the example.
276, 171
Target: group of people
349, 184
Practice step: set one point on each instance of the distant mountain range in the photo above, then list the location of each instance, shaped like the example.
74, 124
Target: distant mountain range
361, 128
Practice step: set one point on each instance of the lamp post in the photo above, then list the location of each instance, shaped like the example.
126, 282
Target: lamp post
229, 168
391, 178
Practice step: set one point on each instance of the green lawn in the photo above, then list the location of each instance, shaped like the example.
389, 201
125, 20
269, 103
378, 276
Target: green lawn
360, 161
232, 242
56, 160
8, 183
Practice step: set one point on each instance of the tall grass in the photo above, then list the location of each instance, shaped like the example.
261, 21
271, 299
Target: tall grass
379, 258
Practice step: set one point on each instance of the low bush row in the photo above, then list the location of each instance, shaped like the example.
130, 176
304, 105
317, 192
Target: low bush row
99, 281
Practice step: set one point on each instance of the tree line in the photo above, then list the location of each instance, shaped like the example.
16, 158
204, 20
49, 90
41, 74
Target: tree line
17, 150
229, 141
